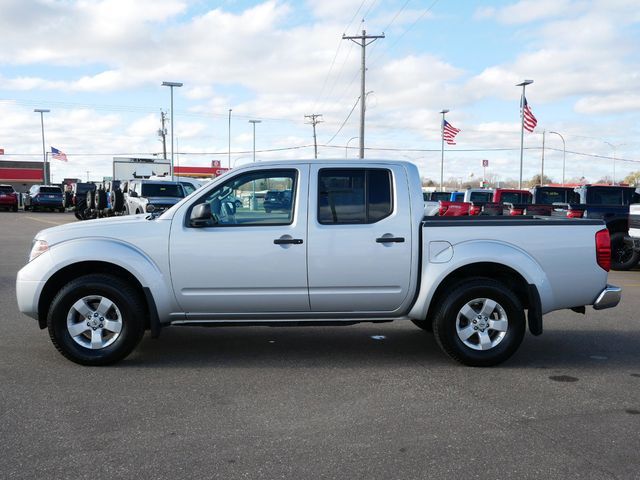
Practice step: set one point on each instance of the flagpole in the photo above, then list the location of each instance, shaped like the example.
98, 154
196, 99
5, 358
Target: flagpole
443, 112
523, 85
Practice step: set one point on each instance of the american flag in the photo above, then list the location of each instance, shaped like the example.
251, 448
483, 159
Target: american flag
530, 120
58, 155
449, 133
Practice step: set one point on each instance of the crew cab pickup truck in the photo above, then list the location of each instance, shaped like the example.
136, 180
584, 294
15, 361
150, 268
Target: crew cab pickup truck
353, 247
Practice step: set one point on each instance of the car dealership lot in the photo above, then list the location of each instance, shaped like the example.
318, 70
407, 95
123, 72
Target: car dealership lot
370, 401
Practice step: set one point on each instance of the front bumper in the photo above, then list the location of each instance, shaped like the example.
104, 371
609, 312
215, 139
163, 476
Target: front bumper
608, 298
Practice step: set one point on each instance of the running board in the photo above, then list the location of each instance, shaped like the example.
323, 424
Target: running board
283, 323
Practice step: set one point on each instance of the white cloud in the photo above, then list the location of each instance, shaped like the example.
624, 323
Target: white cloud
526, 11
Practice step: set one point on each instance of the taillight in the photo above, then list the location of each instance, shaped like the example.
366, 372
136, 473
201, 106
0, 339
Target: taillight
475, 210
574, 213
442, 210
603, 249
515, 211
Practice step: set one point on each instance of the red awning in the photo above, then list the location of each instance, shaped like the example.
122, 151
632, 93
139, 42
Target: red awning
204, 171
20, 175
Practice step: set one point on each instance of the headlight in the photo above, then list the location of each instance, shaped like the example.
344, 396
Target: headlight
39, 247
150, 208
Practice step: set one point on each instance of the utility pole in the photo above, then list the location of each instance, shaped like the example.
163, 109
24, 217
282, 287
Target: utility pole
362, 40
162, 133
314, 119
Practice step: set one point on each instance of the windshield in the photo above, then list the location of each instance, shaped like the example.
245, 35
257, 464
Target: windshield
162, 190
556, 195
50, 190
515, 197
481, 196
611, 196
6, 189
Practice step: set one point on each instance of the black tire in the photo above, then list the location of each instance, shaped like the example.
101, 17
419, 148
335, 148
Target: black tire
117, 200
90, 200
62, 210
123, 296
623, 256
14, 208
449, 316
78, 215
101, 199
27, 208
425, 325
267, 210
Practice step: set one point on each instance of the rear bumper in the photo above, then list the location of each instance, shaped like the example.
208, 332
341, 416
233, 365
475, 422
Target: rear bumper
608, 298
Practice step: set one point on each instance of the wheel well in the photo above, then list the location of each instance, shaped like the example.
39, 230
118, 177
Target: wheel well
73, 271
503, 274
618, 226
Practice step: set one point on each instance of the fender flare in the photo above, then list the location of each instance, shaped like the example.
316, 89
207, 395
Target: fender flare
483, 251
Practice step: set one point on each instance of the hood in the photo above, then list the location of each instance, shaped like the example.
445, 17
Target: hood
113, 227
163, 200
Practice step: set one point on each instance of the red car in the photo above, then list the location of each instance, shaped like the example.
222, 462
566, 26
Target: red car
8, 198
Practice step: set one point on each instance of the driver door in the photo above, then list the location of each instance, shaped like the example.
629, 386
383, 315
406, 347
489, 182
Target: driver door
248, 259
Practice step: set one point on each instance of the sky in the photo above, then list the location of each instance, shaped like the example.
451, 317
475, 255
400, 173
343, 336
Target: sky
99, 67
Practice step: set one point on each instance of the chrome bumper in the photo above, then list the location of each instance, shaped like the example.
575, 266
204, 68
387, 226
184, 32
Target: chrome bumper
608, 298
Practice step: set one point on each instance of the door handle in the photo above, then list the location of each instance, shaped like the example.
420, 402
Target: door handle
288, 241
390, 240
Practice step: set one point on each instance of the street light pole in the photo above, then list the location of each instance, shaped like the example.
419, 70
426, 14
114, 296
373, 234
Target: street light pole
171, 85
613, 180
254, 137
523, 85
45, 170
444, 111
346, 148
229, 139
564, 155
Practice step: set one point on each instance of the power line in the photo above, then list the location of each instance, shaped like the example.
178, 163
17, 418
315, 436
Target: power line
345, 121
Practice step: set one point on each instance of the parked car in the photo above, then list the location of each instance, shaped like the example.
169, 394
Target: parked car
151, 195
8, 198
277, 200
49, 197
98, 286
609, 203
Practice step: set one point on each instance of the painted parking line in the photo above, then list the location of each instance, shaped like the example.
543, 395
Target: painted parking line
45, 221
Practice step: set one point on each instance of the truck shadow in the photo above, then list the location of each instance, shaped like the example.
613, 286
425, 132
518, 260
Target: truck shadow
368, 346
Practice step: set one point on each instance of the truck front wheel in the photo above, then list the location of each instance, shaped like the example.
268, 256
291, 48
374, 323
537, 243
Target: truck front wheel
480, 323
96, 320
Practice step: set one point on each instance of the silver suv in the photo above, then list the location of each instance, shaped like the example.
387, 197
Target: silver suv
141, 194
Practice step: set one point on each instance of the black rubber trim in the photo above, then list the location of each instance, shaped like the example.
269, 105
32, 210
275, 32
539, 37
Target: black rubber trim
390, 240
505, 221
288, 241
534, 313
154, 319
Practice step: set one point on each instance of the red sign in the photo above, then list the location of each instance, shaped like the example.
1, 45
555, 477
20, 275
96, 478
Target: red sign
219, 171
215, 163
485, 163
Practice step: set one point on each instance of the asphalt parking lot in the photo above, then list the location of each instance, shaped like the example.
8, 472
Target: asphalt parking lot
367, 401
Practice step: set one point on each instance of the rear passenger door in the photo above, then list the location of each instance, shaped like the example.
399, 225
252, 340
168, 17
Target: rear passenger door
359, 247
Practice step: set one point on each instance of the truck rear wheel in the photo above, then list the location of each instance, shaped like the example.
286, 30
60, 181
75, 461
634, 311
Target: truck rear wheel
623, 256
480, 323
96, 320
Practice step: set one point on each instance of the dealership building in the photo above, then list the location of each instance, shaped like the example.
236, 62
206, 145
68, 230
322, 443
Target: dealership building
21, 175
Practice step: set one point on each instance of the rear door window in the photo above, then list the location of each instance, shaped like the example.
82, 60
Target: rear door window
354, 196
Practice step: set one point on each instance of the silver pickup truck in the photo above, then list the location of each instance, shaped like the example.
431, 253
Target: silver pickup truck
352, 246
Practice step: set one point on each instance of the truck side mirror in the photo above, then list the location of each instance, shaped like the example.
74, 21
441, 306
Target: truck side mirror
201, 216
133, 194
